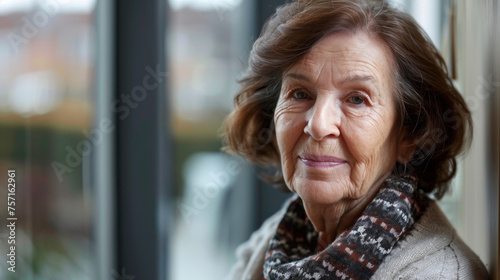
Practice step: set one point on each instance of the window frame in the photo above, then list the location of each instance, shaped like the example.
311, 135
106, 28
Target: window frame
131, 169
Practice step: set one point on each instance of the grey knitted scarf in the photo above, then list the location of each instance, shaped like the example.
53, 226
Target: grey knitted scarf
358, 251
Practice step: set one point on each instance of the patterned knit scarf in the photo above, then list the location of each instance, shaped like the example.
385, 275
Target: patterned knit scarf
358, 251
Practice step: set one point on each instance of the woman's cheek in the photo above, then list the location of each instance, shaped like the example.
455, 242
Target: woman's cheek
287, 138
372, 149
288, 168
365, 134
288, 133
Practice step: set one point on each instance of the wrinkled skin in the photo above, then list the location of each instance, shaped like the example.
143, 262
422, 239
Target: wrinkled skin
335, 128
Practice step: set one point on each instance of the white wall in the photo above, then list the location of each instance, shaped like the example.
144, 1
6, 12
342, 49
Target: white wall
472, 206
478, 65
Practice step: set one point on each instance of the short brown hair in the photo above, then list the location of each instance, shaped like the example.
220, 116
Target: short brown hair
432, 114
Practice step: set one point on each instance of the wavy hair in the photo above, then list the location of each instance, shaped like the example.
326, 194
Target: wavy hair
431, 112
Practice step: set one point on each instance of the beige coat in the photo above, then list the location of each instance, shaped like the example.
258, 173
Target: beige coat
431, 250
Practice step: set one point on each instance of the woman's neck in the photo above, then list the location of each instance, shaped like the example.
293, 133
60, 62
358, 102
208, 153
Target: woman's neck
331, 220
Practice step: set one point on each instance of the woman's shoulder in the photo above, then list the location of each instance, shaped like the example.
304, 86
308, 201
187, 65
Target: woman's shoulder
250, 255
432, 250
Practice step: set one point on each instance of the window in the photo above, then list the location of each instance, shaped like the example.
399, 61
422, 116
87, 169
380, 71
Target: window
46, 54
208, 45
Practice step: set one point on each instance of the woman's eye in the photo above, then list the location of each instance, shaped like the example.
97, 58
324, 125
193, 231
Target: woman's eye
299, 95
357, 100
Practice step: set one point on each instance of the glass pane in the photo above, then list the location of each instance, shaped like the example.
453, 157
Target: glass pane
45, 114
208, 45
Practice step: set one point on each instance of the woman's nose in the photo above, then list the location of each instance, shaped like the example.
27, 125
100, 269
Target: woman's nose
323, 120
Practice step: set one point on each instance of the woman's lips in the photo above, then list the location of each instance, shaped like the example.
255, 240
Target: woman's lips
321, 161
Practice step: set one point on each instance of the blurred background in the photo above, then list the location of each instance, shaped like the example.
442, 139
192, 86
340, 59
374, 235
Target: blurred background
111, 113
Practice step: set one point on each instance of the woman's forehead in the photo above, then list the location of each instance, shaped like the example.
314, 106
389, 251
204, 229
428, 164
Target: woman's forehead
347, 57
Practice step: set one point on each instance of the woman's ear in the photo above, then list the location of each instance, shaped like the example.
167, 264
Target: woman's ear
406, 148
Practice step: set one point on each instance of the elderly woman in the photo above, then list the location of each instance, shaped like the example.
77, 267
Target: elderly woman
365, 126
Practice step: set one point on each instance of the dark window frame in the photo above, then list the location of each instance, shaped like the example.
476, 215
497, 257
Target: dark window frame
131, 172
132, 168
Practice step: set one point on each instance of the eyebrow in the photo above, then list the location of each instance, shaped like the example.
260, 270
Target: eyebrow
296, 77
347, 80
358, 78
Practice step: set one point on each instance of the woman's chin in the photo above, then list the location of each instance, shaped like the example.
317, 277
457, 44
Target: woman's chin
320, 192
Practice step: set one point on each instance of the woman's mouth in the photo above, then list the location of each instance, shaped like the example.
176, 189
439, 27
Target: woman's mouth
321, 161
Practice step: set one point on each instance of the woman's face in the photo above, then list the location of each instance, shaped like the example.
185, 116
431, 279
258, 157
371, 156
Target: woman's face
335, 119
